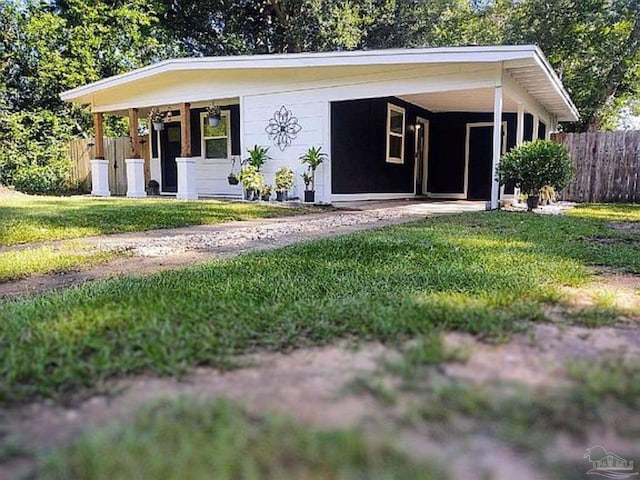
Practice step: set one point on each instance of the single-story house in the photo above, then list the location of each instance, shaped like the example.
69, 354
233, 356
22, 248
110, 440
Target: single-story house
394, 123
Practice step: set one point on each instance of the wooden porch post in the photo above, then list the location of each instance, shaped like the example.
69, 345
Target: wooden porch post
185, 130
98, 128
133, 133
99, 166
497, 138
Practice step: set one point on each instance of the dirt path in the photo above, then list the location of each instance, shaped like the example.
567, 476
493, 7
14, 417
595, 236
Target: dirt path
158, 250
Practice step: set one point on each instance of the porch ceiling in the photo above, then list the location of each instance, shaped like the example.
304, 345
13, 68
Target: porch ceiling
478, 100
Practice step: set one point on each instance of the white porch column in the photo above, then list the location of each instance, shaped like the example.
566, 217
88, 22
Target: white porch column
519, 141
536, 127
135, 178
186, 178
520, 126
497, 139
100, 178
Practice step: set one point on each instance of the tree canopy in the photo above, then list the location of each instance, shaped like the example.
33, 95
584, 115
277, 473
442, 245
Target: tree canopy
47, 47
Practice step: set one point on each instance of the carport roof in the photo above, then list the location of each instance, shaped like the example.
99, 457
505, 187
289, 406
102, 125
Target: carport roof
525, 63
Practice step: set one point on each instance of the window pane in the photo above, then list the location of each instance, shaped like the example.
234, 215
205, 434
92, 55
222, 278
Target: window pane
396, 121
395, 146
216, 148
219, 131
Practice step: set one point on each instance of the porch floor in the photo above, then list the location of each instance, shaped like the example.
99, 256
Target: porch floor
417, 206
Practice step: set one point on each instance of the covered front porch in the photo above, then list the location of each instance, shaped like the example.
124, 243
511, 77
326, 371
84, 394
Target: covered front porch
189, 156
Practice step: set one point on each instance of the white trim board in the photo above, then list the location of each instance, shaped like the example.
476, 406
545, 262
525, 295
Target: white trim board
451, 196
354, 197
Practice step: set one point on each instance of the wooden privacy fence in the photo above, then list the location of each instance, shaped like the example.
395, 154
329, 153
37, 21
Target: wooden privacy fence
607, 166
116, 150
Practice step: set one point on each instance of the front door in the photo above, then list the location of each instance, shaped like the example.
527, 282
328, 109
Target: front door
170, 141
422, 155
480, 159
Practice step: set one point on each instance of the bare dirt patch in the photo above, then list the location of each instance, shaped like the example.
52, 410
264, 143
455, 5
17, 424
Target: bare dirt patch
9, 192
628, 227
314, 386
611, 289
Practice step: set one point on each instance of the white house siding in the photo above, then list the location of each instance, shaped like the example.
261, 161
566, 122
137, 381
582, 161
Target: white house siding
312, 115
211, 179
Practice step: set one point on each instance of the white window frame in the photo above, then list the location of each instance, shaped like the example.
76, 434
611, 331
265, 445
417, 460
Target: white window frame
203, 139
394, 108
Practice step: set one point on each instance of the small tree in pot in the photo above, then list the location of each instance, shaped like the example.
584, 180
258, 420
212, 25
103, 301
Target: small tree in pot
284, 182
314, 158
309, 195
535, 165
257, 156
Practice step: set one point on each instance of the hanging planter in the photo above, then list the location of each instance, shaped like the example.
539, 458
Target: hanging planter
213, 115
233, 178
157, 118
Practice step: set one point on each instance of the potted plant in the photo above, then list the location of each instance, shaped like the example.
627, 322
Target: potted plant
257, 156
313, 158
284, 182
533, 166
232, 178
252, 181
265, 193
157, 118
213, 115
309, 194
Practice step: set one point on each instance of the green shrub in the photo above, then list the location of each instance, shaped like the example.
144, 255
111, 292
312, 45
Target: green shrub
535, 165
42, 179
33, 151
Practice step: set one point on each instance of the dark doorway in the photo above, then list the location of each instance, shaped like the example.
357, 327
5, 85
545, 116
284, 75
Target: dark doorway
170, 141
480, 149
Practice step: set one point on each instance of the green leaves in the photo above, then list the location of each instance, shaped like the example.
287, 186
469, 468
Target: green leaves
535, 165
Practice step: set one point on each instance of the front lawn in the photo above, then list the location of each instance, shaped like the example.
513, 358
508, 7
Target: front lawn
31, 219
17, 264
483, 273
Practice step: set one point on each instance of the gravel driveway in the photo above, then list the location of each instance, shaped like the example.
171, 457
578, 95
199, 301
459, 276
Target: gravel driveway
157, 250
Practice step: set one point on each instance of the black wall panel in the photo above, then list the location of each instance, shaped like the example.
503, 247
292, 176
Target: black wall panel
358, 147
447, 142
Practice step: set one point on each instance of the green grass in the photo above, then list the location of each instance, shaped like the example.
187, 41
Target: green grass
17, 264
179, 440
483, 273
30, 219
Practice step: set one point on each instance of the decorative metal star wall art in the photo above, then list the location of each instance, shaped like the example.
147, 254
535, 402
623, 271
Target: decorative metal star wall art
283, 128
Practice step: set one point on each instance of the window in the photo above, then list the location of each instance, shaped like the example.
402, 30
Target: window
395, 134
216, 143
